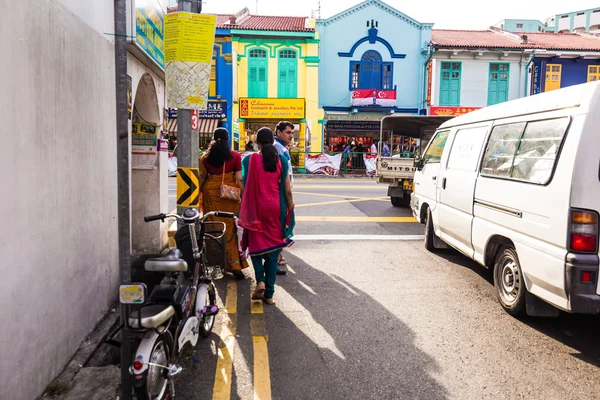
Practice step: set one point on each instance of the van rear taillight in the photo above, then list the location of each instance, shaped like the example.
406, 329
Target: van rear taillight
583, 235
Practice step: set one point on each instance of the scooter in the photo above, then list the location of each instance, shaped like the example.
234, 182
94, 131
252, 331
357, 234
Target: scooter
177, 312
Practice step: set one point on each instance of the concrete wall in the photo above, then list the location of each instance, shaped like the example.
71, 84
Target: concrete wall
58, 208
149, 188
529, 25
340, 34
475, 78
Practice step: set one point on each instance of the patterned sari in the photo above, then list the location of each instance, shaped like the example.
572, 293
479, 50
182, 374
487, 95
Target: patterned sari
212, 201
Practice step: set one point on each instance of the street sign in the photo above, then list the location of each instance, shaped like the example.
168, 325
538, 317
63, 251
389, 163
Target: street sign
188, 187
194, 120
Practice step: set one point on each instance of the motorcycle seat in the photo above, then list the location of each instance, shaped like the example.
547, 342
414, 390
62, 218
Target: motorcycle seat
152, 316
171, 262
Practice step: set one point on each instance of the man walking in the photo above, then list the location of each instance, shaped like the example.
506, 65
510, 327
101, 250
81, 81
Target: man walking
284, 136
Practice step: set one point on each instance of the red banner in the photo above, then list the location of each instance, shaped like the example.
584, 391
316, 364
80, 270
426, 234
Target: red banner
429, 78
454, 111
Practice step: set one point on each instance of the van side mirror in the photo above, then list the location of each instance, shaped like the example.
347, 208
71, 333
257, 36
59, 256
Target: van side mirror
418, 163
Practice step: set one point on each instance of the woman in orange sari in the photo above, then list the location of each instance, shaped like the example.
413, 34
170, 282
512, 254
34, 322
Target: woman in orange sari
221, 165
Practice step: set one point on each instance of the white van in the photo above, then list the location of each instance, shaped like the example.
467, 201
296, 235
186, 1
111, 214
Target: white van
516, 187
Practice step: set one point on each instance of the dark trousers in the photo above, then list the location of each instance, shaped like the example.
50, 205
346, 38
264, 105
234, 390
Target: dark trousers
265, 269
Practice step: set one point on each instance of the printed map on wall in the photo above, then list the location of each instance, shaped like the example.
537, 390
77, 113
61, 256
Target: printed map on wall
189, 41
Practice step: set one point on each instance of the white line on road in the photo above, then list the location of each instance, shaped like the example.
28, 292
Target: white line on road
309, 238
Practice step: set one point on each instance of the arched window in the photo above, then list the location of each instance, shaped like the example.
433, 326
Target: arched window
257, 73
371, 72
288, 74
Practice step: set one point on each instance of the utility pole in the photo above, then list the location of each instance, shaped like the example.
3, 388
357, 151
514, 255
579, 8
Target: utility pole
124, 206
188, 141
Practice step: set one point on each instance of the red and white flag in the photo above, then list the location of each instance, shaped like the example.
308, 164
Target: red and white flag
385, 98
362, 97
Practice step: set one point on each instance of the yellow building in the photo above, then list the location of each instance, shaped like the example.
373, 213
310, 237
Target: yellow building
276, 78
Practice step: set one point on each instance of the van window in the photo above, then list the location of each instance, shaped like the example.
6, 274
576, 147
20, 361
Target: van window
466, 148
436, 148
501, 148
525, 151
538, 150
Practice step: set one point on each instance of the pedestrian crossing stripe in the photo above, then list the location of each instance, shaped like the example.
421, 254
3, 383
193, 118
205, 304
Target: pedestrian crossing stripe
188, 187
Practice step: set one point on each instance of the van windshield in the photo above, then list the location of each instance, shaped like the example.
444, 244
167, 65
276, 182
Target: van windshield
436, 148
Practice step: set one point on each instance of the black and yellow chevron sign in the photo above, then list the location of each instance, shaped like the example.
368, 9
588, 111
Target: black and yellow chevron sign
188, 187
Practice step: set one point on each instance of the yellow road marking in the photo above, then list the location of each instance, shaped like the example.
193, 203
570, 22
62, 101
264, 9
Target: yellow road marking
322, 203
262, 377
256, 306
223, 374
231, 299
368, 187
354, 219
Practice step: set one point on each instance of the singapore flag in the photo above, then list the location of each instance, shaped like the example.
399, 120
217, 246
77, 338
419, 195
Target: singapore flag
385, 98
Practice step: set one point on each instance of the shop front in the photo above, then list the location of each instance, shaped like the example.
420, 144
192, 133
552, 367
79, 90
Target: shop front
256, 113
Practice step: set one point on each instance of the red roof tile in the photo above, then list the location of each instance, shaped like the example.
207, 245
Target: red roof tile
500, 39
260, 22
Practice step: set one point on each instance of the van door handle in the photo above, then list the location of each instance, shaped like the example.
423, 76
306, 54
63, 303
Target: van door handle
444, 183
434, 177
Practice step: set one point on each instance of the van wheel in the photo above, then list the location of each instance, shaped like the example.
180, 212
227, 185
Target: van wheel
509, 282
429, 233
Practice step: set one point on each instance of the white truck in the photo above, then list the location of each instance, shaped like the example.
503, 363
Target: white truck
398, 171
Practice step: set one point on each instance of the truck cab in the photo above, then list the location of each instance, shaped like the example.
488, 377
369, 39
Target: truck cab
397, 168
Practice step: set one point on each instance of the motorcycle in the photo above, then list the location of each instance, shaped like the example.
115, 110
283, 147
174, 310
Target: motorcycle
177, 311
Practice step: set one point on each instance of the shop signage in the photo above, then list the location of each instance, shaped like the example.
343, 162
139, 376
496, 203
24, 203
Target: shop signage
536, 78
214, 109
172, 113
353, 125
451, 111
353, 117
272, 108
149, 29
429, 78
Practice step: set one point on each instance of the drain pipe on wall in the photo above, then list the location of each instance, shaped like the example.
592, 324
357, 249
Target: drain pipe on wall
527, 72
426, 75
123, 183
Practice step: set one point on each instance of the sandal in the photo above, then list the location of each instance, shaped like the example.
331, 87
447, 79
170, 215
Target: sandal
270, 302
259, 291
282, 261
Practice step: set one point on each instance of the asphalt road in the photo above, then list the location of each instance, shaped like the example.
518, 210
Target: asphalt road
376, 316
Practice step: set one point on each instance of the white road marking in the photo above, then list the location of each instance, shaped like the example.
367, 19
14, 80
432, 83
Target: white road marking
309, 238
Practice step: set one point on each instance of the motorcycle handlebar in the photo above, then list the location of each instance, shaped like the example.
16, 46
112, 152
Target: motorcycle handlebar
157, 217
222, 214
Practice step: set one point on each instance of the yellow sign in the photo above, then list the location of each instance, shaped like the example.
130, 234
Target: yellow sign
189, 37
272, 108
188, 187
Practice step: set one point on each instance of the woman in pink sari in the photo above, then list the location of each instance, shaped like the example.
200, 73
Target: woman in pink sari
267, 212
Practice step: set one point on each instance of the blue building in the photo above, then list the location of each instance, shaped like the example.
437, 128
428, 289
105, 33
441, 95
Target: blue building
371, 65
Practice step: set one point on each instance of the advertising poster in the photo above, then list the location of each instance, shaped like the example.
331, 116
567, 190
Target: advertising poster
144, 146
189, 40
149, 30
323, 164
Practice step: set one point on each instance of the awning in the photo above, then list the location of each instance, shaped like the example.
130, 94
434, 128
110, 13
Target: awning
208, 126
172, 125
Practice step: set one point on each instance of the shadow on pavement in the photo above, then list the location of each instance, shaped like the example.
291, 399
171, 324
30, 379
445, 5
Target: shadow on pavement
326, 342
580, 332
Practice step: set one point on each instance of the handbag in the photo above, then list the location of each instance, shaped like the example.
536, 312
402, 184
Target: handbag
232, 193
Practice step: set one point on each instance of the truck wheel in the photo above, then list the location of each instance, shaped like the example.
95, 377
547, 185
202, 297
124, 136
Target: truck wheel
509, 282
396, 201
429, 233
